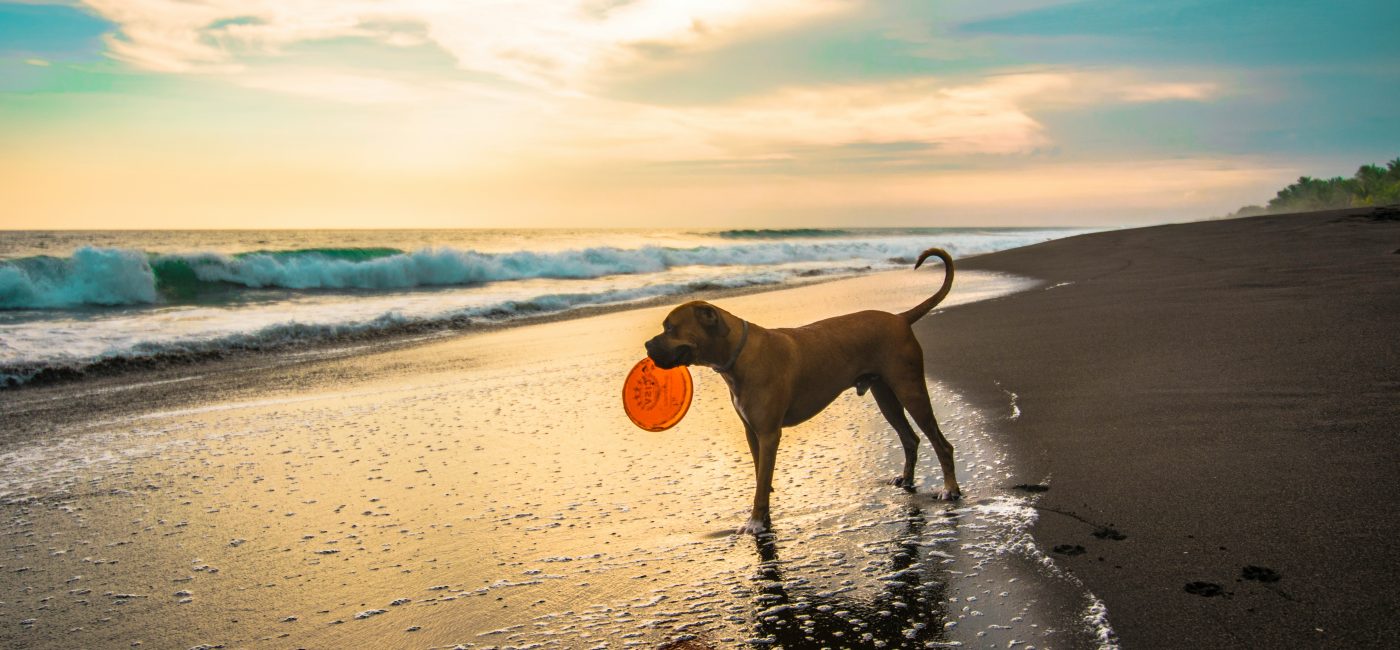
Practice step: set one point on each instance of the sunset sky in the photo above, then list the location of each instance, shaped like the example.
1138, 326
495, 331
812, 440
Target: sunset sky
651, 113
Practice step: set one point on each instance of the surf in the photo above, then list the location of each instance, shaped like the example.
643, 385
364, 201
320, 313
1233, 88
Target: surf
144, 300
118, 277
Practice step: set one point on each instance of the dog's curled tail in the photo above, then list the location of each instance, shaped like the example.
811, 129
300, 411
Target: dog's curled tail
926, 306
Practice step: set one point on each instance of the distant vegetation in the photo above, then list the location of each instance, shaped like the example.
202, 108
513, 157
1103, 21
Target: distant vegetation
1370, 185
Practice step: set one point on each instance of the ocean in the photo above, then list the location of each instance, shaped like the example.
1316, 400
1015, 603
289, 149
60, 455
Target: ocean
76, 301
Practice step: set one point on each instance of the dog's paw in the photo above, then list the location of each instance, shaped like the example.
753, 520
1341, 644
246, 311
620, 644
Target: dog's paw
899, 482
753, 526
948, 494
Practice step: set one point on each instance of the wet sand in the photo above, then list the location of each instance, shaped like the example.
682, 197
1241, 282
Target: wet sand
487, 491
1214, 408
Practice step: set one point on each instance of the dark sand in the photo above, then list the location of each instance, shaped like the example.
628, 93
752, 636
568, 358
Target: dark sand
1225, 397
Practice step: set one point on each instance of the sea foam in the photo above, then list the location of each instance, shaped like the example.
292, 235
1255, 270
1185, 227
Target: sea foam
96, 276
125, 308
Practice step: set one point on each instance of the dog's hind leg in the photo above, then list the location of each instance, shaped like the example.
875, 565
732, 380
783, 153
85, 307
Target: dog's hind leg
913, 395
894, 414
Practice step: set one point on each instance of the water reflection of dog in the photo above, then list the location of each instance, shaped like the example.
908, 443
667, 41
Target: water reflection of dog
907, 613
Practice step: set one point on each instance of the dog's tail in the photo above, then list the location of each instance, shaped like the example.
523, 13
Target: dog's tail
928, 305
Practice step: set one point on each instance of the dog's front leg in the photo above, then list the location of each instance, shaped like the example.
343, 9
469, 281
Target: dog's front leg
764, 445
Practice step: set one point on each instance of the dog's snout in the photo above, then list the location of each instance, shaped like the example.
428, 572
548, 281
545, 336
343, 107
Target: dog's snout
656, 350
666, 356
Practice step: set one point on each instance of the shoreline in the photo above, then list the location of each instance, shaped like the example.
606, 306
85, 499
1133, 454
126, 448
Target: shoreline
112, 305
236, 363
487, 489
376, 340
1211, 409
21, 404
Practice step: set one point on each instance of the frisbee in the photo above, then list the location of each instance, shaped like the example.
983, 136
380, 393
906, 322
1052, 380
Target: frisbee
656, 399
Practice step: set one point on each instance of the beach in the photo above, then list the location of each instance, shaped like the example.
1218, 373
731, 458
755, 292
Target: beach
1138, 415
1201, 399
486, 490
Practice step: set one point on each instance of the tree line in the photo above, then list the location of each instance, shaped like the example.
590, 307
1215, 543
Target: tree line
1370, 185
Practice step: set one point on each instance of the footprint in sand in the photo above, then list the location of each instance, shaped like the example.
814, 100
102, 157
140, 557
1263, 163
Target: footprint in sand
1109, 533
1206, 589
1259, 573
1069, 549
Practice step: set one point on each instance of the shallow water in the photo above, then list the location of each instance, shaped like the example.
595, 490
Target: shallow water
505, 501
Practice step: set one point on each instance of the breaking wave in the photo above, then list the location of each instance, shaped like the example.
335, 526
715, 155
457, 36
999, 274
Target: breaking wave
92, 276
58, 315
154, 353
106, 277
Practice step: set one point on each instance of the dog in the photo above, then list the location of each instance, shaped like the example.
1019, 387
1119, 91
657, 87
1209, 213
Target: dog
781, 377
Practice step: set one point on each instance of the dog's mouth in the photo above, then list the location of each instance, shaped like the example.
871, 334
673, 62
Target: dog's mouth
668, 359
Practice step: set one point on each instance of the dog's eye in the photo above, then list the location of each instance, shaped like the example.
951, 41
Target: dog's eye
667, 327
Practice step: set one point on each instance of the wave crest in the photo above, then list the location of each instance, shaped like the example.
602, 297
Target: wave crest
290, 334
91, 276
94, 276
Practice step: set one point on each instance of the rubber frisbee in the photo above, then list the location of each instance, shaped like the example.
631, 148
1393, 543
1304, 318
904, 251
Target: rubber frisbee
656, 399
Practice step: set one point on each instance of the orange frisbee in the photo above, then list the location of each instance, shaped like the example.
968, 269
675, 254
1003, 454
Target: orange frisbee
656, 399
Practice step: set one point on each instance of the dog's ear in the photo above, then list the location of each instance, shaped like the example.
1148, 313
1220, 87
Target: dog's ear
710, 320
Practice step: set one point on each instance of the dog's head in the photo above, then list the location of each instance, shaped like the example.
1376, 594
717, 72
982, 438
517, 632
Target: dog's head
692, 334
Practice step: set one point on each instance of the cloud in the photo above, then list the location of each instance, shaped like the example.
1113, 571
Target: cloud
337, 86
547, 44
524, 88
1157, 92
554, 51
911, 120
983, 117
881, 127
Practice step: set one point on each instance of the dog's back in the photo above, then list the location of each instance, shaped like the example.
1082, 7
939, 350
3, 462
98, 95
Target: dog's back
883, 343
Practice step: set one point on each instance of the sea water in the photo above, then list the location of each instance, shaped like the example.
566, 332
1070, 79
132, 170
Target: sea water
72, 300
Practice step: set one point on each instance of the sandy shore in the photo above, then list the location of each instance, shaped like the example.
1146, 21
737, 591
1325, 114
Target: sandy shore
487, 491
1194, 422
1214, 407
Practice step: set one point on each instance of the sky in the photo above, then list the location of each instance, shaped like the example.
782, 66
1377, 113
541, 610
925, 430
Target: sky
681, 113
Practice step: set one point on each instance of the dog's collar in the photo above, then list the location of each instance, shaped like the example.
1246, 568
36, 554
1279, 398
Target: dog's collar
743, 338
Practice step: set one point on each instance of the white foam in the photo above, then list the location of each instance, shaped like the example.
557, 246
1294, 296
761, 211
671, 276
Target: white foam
113, 276
318, 296
1096, 617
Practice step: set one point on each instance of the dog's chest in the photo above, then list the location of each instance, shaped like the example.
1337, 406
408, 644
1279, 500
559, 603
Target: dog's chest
734, 399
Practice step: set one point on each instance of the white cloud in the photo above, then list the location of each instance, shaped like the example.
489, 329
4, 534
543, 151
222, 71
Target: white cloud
993, 115
544, 43
1157, 92
981, 117
337, 86
446, 125
555, 50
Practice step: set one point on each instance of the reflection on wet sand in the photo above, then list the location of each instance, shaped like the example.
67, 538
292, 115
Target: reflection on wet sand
906, 610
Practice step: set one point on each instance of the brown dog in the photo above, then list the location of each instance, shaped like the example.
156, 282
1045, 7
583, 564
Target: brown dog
781, 377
